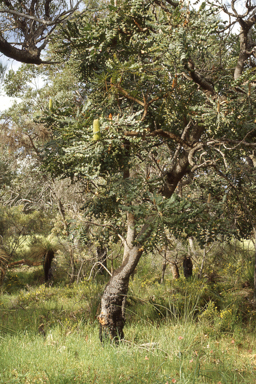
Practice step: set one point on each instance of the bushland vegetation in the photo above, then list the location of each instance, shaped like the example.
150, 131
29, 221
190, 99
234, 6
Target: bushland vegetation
195, 330
135, 156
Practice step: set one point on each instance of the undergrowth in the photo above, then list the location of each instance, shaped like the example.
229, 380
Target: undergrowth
182, 331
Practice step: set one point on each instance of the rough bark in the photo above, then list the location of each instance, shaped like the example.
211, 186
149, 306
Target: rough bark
112, 315
24, 56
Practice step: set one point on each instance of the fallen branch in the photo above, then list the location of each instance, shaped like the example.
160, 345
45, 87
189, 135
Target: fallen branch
25, 262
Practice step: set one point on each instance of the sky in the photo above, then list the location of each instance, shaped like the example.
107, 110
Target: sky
5, 101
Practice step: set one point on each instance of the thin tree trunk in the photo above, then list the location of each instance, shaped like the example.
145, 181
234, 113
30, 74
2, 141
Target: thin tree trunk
102, 258
78, 278
191, 246
164, 266
47, 265
254, 285
202, 265
175, 271
72, 265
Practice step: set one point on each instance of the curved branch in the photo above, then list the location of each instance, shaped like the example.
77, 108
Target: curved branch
30, 53
192, 152
198, 78
24, 56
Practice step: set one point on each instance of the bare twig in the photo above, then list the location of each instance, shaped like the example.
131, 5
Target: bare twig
94, 265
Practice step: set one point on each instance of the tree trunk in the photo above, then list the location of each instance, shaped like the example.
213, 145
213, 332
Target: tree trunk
187, 267
47, 265
72, 276
202, 265
164, 265
102, 258
254, 285
4, 258
112, 315
175, 271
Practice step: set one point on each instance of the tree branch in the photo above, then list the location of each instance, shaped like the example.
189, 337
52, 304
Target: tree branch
161, 133
32, 33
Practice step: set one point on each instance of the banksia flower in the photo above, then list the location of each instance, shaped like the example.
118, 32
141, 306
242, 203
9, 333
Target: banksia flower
96, 130
50, 105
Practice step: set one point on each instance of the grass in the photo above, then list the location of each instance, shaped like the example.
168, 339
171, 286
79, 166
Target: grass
170, 353
184, 332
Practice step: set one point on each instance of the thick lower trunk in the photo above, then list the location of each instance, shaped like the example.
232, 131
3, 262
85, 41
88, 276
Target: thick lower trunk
112, 315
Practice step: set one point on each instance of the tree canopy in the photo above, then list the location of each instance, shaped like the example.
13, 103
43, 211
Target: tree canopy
162, 80
27, 26
158, 124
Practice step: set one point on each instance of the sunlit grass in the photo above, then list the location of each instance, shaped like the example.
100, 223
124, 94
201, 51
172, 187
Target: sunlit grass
170, 353
186, 332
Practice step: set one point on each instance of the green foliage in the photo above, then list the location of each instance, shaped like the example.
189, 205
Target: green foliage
130, 61
17, 226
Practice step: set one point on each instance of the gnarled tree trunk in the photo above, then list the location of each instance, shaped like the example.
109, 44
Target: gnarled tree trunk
112, 315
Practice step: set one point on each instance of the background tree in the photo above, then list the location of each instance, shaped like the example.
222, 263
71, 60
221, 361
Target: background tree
27, 26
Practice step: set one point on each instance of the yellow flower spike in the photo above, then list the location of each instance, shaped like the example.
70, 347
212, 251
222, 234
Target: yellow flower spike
50, 105
96, 130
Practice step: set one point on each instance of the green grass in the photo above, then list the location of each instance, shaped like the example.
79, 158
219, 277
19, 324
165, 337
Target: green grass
180, 353
185, 332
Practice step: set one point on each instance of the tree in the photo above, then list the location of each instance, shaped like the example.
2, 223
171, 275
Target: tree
159, 77
26, 27
174, 95
23, 139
